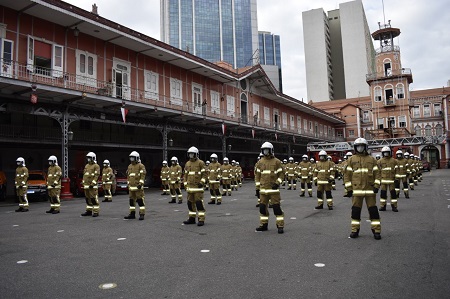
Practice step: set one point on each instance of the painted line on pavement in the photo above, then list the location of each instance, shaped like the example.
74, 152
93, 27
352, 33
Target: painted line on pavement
107, 286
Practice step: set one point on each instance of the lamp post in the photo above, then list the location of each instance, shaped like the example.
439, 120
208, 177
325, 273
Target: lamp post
170, 142
65, 180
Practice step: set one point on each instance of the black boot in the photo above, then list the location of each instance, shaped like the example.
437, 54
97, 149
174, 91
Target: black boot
257, 205
95, 214
319, 207
219, 203
180, 201
87, 213
49, 211
212, 202
132, 215
191, 220
330, 207
262, 228
377, 236
201, 223
302, 194
173, 201
406, 195
55, 212
354, 235
383, 208
20, 209
394, 209
280, 230
141, 216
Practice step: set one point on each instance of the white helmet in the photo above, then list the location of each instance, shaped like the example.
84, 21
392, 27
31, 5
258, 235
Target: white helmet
361, 145
207, 163
214, 157
267, 148
399, 153
406, 155
237, 163
349, 154
164, 163
52, 160
291, 159
323, 153
106, 163
225, 160
305, 157
194, 151
91, 157
233, 161
174, 160
134, 157
340, 160
386, 151
329, 158
20, 161
311, 160
284, 160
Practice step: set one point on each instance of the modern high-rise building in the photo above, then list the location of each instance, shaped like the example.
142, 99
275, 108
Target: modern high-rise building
339, 52
215, 30
270, 57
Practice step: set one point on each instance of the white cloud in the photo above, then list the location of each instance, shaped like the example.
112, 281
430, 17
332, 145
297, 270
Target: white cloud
424, 40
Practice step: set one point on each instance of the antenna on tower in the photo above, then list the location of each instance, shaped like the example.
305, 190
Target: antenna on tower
384, 17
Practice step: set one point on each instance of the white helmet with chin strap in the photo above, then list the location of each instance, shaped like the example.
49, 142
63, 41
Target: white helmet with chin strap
192, 152
214, 157
361, 145
267, 149
386, 151
20, 161
135, 157
91, 157
52, 160
174, 160
305, 157
106, 163
226, 160
323, 155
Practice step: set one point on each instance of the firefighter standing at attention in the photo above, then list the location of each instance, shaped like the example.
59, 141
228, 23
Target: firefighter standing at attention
333, 183
91, 173
269, 176
194, 182
226, 170
54, 185
175, 179
389, 168
291, 175
239, 174
136, 177
21, 184
304, 175
254, 172
107, 180
165, 178
401, 177
362, 181
214, 176
323, 177
412, 170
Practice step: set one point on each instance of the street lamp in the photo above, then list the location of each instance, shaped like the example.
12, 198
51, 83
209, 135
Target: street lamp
170, 142
70, 135
229, 147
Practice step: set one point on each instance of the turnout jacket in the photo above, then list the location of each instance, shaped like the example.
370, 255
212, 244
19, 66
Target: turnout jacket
54, 177
362, 175
304, 169
403, 168
215, 172
136, 176
107, 175
165, 173
91, 173
175, 173
268, 173
323, 172
389, 168
194, 175
291, 170
226, 170
21, 177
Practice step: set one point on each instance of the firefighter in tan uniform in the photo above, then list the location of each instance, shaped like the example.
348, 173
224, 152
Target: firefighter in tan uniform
214, 176
417, 168
233, 175
194, 182
402, 174
174, 181
283, 166
226, 170
254, 173
343, 166
21, 184
91, 173
239, 174
269, 176
107, 180
412, 170
135, 178
54, 185
362, 180
305, 176
333, 182
290, 171
165, 178
207, 174
323, 177
389, 168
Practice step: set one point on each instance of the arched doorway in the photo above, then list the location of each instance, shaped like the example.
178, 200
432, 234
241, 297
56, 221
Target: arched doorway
431, 154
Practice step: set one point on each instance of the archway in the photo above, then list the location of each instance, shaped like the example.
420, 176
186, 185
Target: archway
431, 154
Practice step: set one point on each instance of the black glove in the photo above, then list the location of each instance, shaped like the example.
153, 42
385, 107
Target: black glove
315, 183
396, 182
257, 193
349, 193
177, 181
20, 187
375, 190
275, 186
330, 181
139, 187
91, 187
53, 185
200, 185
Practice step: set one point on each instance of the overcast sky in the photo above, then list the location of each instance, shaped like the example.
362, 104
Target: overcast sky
424, 40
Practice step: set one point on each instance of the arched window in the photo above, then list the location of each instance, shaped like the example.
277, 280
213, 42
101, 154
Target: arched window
400, 91
418, 130
427, 130
438, 129
377, 94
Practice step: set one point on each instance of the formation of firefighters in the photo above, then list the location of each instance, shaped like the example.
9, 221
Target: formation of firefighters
363, 177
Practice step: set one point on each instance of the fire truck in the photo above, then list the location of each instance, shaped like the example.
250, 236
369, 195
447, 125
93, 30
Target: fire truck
336, 150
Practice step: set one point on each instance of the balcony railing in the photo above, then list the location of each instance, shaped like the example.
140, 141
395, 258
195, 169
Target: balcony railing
88, 85
387, 74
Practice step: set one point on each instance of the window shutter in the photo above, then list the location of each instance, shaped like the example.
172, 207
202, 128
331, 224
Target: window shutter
30, 54
57, 61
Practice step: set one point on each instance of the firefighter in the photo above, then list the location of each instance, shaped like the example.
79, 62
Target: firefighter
377, 157
362, 180
389, 168
333, 183
136, 177
401, 177
290, 171
54, 185
420, 167
257, 194
323, 177
269, 176
416, 168
239, 174
412, 171
339, 169
226, 177
165, 177
233, 175
283, 166
343, 166
21, 184
194, 182
174, 179
214, 176
91, 173
107, 180
207, 174
304, 175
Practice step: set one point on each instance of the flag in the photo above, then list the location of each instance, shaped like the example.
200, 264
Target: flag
33, 98
293, 139
124, 112
276, 136
223, 129
253, 133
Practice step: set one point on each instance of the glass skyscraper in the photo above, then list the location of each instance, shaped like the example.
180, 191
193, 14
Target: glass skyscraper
215, 30
270, 57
